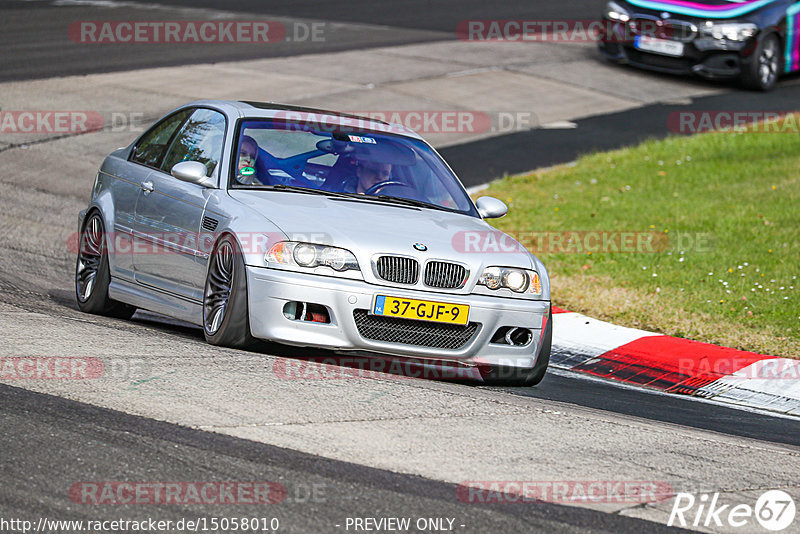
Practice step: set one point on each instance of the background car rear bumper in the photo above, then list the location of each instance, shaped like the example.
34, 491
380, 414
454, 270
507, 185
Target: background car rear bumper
270, 290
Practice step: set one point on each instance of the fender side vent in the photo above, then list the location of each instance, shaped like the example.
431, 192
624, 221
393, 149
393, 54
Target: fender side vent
210, 224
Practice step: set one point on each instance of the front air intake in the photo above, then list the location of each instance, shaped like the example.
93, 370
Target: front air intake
398, 269
445, 275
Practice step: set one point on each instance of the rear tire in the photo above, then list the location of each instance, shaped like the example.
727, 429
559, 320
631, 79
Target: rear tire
762, 71
500, 375
225, 312
92, 273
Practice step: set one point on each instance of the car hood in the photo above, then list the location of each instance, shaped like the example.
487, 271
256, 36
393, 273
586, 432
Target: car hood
714, 9
369, 228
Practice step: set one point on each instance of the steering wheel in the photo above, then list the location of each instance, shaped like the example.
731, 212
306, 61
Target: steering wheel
380, 185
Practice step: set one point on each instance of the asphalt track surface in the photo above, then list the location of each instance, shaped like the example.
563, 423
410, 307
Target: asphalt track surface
36, 44
441, 15
48, 442
80, 442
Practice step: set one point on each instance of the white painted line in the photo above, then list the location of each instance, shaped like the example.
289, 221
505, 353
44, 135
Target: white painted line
559, 125
477, 189
470, 72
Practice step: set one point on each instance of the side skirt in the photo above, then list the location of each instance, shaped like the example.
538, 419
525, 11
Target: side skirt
152, 299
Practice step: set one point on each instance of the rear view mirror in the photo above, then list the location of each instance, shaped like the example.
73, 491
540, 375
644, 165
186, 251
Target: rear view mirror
491, 208
193, 172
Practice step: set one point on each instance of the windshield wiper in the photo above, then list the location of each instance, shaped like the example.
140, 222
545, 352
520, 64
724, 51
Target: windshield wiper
307, 190
409, 202
355, 196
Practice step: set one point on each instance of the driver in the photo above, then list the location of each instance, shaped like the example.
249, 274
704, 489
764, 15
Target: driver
368, 174
248, 155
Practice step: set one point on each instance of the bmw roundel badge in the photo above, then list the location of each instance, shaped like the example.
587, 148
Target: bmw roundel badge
420, 247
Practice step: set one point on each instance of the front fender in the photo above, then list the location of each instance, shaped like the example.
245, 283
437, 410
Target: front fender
254, 232
81, 218
543, 276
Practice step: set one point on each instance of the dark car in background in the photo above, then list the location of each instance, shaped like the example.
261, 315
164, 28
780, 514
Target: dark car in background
755, 41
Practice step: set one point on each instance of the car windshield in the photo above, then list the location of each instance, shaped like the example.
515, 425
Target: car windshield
274, 154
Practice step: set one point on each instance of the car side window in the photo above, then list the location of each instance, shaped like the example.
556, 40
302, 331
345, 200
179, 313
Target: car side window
200, 140
151, 147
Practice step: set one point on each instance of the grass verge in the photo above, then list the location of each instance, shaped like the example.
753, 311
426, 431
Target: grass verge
695, 237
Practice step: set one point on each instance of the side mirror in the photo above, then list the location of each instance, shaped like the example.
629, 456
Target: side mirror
491, 208
193, 172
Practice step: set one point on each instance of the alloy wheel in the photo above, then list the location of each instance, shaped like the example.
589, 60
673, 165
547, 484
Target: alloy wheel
218, 287
768, 63
90, 254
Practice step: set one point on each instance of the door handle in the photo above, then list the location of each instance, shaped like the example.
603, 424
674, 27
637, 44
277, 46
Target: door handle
147, 187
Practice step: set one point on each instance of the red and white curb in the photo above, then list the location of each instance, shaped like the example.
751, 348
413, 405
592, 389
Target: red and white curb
675, 365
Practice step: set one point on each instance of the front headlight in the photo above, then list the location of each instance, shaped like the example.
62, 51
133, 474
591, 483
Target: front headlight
517, 280
311, 256
731, 31
614, 11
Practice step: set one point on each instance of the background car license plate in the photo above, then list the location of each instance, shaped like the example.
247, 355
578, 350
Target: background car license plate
659, 46
421, 310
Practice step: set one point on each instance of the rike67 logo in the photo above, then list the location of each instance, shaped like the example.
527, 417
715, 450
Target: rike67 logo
774, 510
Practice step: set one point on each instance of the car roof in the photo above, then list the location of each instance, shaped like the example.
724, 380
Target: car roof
250, 109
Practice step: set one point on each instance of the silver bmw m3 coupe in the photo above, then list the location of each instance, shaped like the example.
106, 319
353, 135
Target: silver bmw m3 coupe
314, 229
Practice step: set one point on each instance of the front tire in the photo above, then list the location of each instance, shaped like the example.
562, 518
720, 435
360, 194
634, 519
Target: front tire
225, 312
92, 273
762, 72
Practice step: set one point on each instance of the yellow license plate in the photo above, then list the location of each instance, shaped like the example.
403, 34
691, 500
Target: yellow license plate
421, 310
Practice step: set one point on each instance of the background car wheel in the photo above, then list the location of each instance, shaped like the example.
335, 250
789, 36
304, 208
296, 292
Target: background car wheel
92, 274
225, 312
763, 69
513, 376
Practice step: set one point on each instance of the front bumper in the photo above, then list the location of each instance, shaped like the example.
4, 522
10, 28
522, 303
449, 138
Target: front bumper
269, 290
712, 65
702, 55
